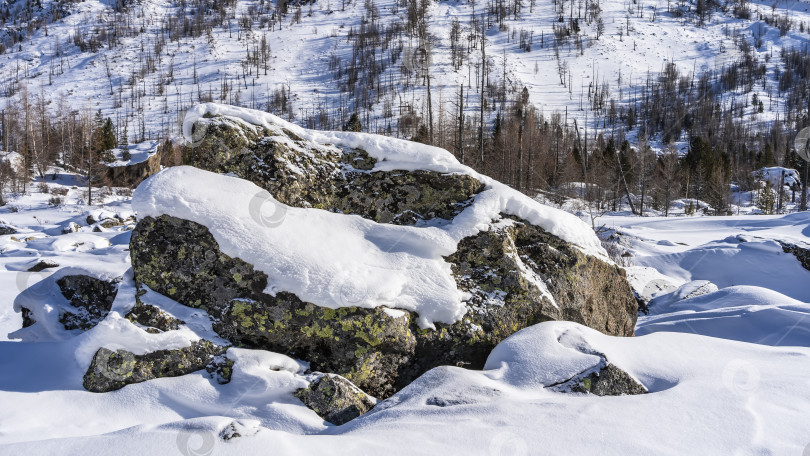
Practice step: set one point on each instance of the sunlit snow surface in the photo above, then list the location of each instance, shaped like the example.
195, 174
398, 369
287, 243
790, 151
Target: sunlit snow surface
728, 371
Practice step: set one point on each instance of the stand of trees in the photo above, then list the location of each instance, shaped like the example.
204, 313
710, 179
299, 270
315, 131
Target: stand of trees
384, 85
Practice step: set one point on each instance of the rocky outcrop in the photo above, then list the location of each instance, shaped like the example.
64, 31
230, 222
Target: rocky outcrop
111, 370
91, 298
7, 229
133, 174
335, 399
801, 254
305, 174
504, 269
515, 273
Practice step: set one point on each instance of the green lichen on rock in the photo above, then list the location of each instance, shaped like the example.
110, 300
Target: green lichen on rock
510, 263
111, 370
608, 381
302, 173
152, 318
335, 399
90, 297
367, 346
500, 268
516, 274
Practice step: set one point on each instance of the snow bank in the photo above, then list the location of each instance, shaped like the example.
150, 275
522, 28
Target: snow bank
739, 398
743, 313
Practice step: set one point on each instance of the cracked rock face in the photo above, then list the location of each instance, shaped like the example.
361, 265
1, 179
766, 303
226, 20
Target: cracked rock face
335, 399
377, 351
112, 370
305, 174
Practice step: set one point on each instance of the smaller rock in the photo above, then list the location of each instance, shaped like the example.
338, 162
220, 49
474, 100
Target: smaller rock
7, 229
42, 265
71, 228
239, 428
154, 319
27, 319
335, 399
91, 220
111, 370
608, 380
91, 297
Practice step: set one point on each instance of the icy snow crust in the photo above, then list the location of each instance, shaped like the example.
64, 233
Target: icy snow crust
319, 255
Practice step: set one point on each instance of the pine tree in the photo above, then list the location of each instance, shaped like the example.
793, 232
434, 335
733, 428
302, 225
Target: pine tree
353, 124
766, 199
124, 144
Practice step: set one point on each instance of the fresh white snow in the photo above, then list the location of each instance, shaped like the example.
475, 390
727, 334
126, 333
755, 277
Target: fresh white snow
723, 352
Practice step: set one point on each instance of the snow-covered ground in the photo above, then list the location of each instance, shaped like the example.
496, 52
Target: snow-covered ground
724, 352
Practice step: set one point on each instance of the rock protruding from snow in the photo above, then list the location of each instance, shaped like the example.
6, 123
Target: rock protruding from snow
802, 254
335, 399
7, 229
302, 173
112, 370
440, 265
91, 298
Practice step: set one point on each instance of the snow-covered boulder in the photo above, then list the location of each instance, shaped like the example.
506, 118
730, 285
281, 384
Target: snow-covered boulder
370, 257
63, 302
7, 229
774, 176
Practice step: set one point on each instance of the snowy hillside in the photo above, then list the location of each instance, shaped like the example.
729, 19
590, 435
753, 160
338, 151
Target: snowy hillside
142, 66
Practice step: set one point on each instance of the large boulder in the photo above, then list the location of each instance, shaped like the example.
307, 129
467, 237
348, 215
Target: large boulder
303, 173
513, 272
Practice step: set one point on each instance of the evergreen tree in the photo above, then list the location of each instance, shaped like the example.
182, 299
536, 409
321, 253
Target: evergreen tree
353, 124
766, 198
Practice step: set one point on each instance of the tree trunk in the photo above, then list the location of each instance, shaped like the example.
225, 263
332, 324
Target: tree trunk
624, 183
460, 144
804, 187
483, 82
